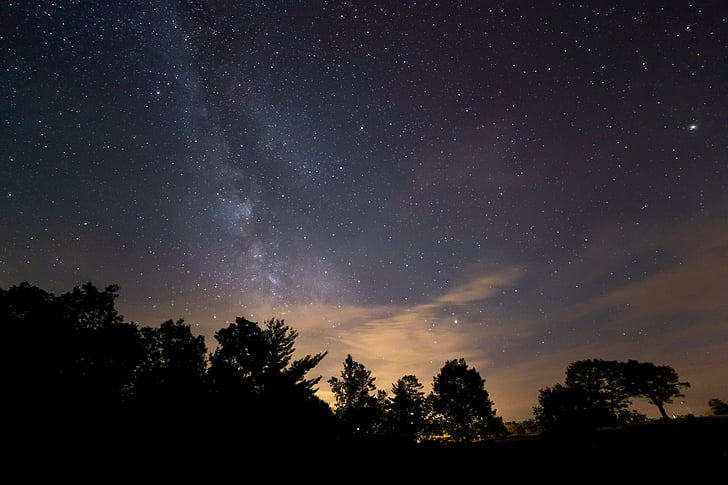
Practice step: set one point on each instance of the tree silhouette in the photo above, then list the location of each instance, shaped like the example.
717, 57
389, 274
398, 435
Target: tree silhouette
565, 410
106, 349
174, 366
718, 406
597, 394
252, 370
604, 388
91, 308
462, 404
357, 408
258, 361
36, 382
658, 383
407, 410
73, 358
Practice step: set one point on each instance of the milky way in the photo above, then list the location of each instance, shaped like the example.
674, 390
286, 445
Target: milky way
522, 184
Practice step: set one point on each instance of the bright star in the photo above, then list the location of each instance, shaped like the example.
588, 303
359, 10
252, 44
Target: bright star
693, 127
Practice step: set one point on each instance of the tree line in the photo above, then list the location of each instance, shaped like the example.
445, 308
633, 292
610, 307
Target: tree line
75, 362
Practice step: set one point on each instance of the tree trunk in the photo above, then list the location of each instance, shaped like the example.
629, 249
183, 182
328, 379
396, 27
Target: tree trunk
662, 410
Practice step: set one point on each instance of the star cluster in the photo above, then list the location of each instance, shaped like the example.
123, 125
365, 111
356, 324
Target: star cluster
516, 183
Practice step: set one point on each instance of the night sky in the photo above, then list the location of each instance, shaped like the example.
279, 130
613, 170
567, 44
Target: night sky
522, 184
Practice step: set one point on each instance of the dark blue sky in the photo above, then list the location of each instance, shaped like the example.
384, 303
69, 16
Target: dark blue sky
522, 184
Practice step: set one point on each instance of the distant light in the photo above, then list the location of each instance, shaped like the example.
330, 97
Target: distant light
693, 127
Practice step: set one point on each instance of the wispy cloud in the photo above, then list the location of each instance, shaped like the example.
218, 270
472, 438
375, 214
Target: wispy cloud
482, 286
395, 340
695, 284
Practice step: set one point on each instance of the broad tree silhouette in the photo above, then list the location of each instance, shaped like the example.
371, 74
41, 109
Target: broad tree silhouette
597, 394
41, 351
603, 387
565, 410
73, 358
107, 350
253, 372
172, 372
660, 384
258, 361
462, 405
718, 406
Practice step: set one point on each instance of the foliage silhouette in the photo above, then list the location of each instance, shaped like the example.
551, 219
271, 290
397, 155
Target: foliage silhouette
32, 317
253, 369
90, 372
407, 410
84, 354
658, 383
718, 407
462, 405
173, 368
603, 387
568, 410
597, 394
358, 410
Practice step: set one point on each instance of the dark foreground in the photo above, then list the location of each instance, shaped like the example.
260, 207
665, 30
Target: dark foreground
680, 450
